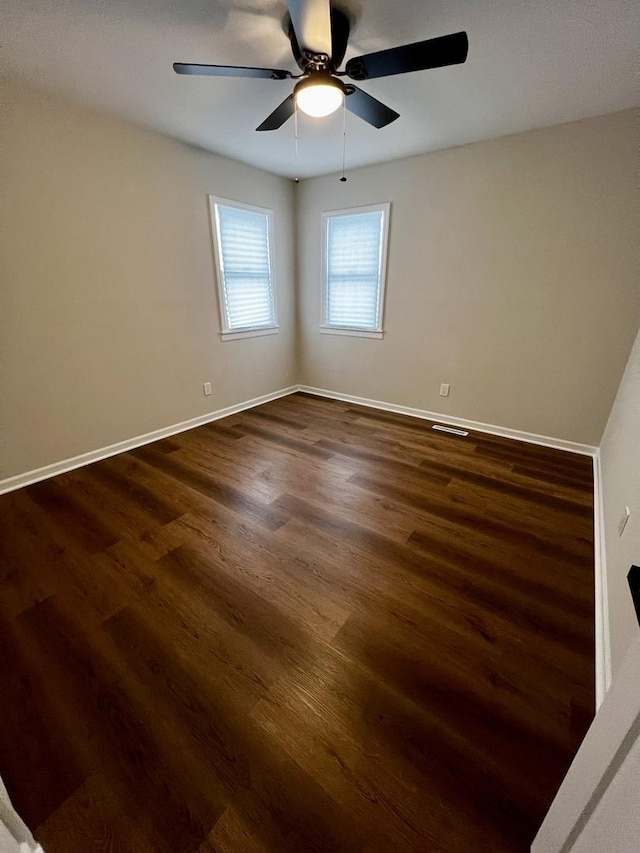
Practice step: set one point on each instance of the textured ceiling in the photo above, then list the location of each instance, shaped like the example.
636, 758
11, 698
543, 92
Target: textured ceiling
532, 63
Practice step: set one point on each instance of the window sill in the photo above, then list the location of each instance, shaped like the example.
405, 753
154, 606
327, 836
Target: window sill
352, 333
249, 333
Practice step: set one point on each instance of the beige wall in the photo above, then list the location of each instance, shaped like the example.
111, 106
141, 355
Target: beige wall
109, 319
615, 825
595, 809
510, 275
620, 465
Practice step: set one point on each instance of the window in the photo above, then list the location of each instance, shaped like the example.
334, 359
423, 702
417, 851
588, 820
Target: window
354, 260
243, 240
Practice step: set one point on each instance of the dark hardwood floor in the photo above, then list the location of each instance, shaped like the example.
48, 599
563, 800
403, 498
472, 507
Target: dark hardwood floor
308, 627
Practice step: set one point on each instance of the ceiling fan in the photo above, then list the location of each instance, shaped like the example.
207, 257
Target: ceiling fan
319, 34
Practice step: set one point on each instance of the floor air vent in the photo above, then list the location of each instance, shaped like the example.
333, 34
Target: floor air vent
455, 431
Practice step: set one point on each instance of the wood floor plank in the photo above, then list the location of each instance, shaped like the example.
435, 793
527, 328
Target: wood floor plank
270, 568
211, 487
34, 746
393, 467
540, 534
373, 584
371, 742
231, 834
533, 515
283, 806
115, 737
94, 818
418, 559
373, 510
310, 626
66, 506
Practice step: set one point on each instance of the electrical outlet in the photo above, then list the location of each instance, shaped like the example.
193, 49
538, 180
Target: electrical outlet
623, 520
206, 388
444, 389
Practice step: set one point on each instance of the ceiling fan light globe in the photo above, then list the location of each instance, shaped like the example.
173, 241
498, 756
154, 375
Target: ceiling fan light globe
320, 99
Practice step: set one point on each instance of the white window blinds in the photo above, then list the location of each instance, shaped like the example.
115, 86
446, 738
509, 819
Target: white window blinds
354, 245
245, 270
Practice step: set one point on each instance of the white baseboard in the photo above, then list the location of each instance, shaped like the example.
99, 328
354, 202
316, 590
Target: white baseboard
503, 432
603, 637
11, 483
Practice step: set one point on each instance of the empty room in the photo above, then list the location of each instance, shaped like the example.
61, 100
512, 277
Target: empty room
319, 427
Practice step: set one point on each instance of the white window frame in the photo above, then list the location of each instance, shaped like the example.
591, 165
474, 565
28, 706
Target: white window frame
226, 333
378, 332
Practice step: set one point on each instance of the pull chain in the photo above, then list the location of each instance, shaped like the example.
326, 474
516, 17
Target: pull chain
344, 136
295, 126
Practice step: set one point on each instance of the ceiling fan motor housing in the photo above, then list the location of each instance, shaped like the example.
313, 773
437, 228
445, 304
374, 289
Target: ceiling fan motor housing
309, 62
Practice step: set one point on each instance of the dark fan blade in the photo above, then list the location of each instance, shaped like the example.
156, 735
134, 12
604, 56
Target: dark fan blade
433, 53
278, 117
370, 109
311, 21
230, 71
